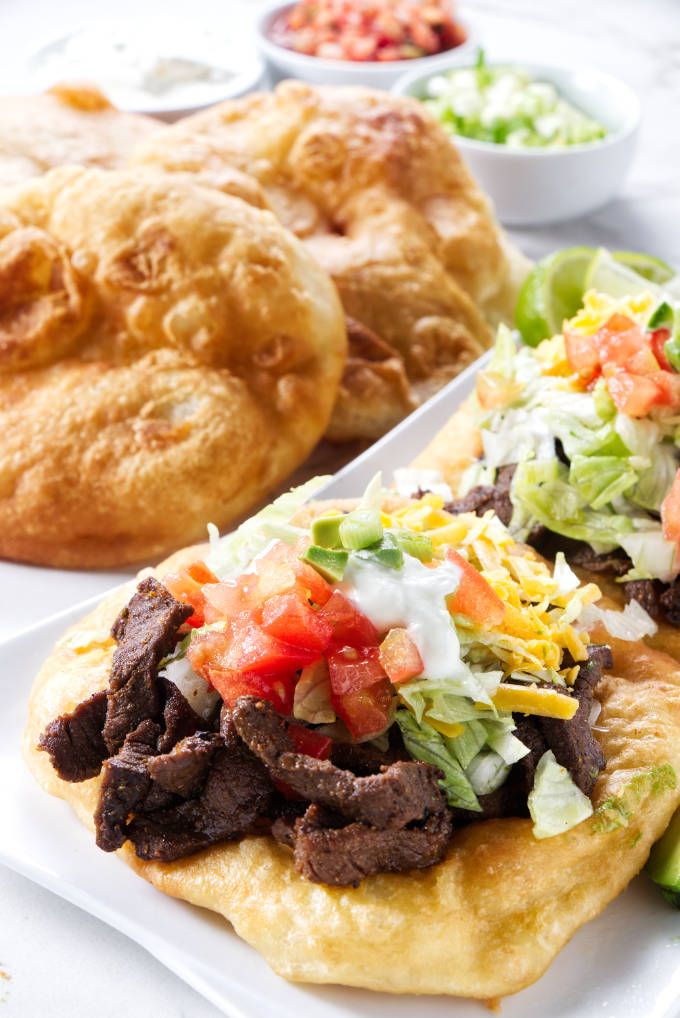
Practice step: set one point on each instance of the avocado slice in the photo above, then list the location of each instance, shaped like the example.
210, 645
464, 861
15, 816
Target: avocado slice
663, 865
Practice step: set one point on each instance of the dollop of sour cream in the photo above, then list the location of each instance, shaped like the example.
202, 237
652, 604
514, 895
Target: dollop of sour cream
414, 598
145, 63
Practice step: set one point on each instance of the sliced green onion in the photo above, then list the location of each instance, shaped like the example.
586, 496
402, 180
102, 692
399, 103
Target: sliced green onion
361, 528
418, 545
328, 562
326, 530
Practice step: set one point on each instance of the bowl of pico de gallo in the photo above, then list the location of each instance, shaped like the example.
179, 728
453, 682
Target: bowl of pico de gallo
372, 43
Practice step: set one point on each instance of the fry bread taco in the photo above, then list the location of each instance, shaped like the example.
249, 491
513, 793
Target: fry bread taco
356, 734
575, 445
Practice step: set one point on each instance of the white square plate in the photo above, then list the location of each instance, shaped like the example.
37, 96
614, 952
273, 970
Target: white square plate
624, 964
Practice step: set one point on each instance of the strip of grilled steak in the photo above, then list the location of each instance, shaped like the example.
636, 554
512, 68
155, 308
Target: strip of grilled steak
184, 769
327, 851
573, 742
237, 791
125, 784
75, 742
400, 793
146, 630
488, 496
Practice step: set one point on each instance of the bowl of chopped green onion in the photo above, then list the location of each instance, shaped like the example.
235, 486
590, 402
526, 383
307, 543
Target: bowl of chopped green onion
547, 143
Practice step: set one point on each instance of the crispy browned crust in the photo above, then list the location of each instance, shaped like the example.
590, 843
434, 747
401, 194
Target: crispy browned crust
376, 189
168, 354
72, 123
498, 908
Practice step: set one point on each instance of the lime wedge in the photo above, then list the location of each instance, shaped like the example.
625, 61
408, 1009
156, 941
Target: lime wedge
552, 291
609, 275
652, 268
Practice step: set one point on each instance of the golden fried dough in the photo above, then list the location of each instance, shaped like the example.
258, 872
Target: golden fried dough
68, 124
168, 355
382, 199
499, 907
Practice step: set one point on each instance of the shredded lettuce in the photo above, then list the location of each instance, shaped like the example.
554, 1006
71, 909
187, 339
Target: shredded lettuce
487, 772
630, 624
555, 803
423, 743
231, 554
620, 468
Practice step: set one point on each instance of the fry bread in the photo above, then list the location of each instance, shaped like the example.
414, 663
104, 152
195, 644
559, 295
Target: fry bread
378, 192
69, 124
485, 922
168, 354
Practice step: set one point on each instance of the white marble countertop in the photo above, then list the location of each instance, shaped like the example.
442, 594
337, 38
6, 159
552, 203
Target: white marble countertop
55, 959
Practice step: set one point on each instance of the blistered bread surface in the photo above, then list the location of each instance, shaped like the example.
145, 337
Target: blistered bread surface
168, 354
378, 192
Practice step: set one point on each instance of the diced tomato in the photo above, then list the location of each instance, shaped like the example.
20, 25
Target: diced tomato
618, 340
352, 668
582, 355
275, 568
670, 512
474, 597
251, 649
309, 742
278, 689
350, 626
292, 619
228, 598
187, 586
399, 657
331, 28
244, 646
657, 340
642, 362
366, 711
632, 394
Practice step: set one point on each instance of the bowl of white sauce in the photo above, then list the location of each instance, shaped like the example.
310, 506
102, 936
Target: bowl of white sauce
165, 67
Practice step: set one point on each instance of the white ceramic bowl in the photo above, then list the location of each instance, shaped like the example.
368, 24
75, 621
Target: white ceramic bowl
116, 55
286, 63
531, 186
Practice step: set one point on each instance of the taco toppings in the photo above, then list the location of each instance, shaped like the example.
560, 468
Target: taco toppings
356, 688
580, 446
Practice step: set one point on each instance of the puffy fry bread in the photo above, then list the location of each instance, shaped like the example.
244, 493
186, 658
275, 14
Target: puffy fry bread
168, 354
376, 189
69, 124
497, 909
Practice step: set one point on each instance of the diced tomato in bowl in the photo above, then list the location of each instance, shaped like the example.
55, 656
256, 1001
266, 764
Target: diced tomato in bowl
368, 30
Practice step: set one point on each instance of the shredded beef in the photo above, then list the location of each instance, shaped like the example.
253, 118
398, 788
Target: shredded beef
145, 631
74, 741
327, 851
402, 792
488, 496
573, 742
